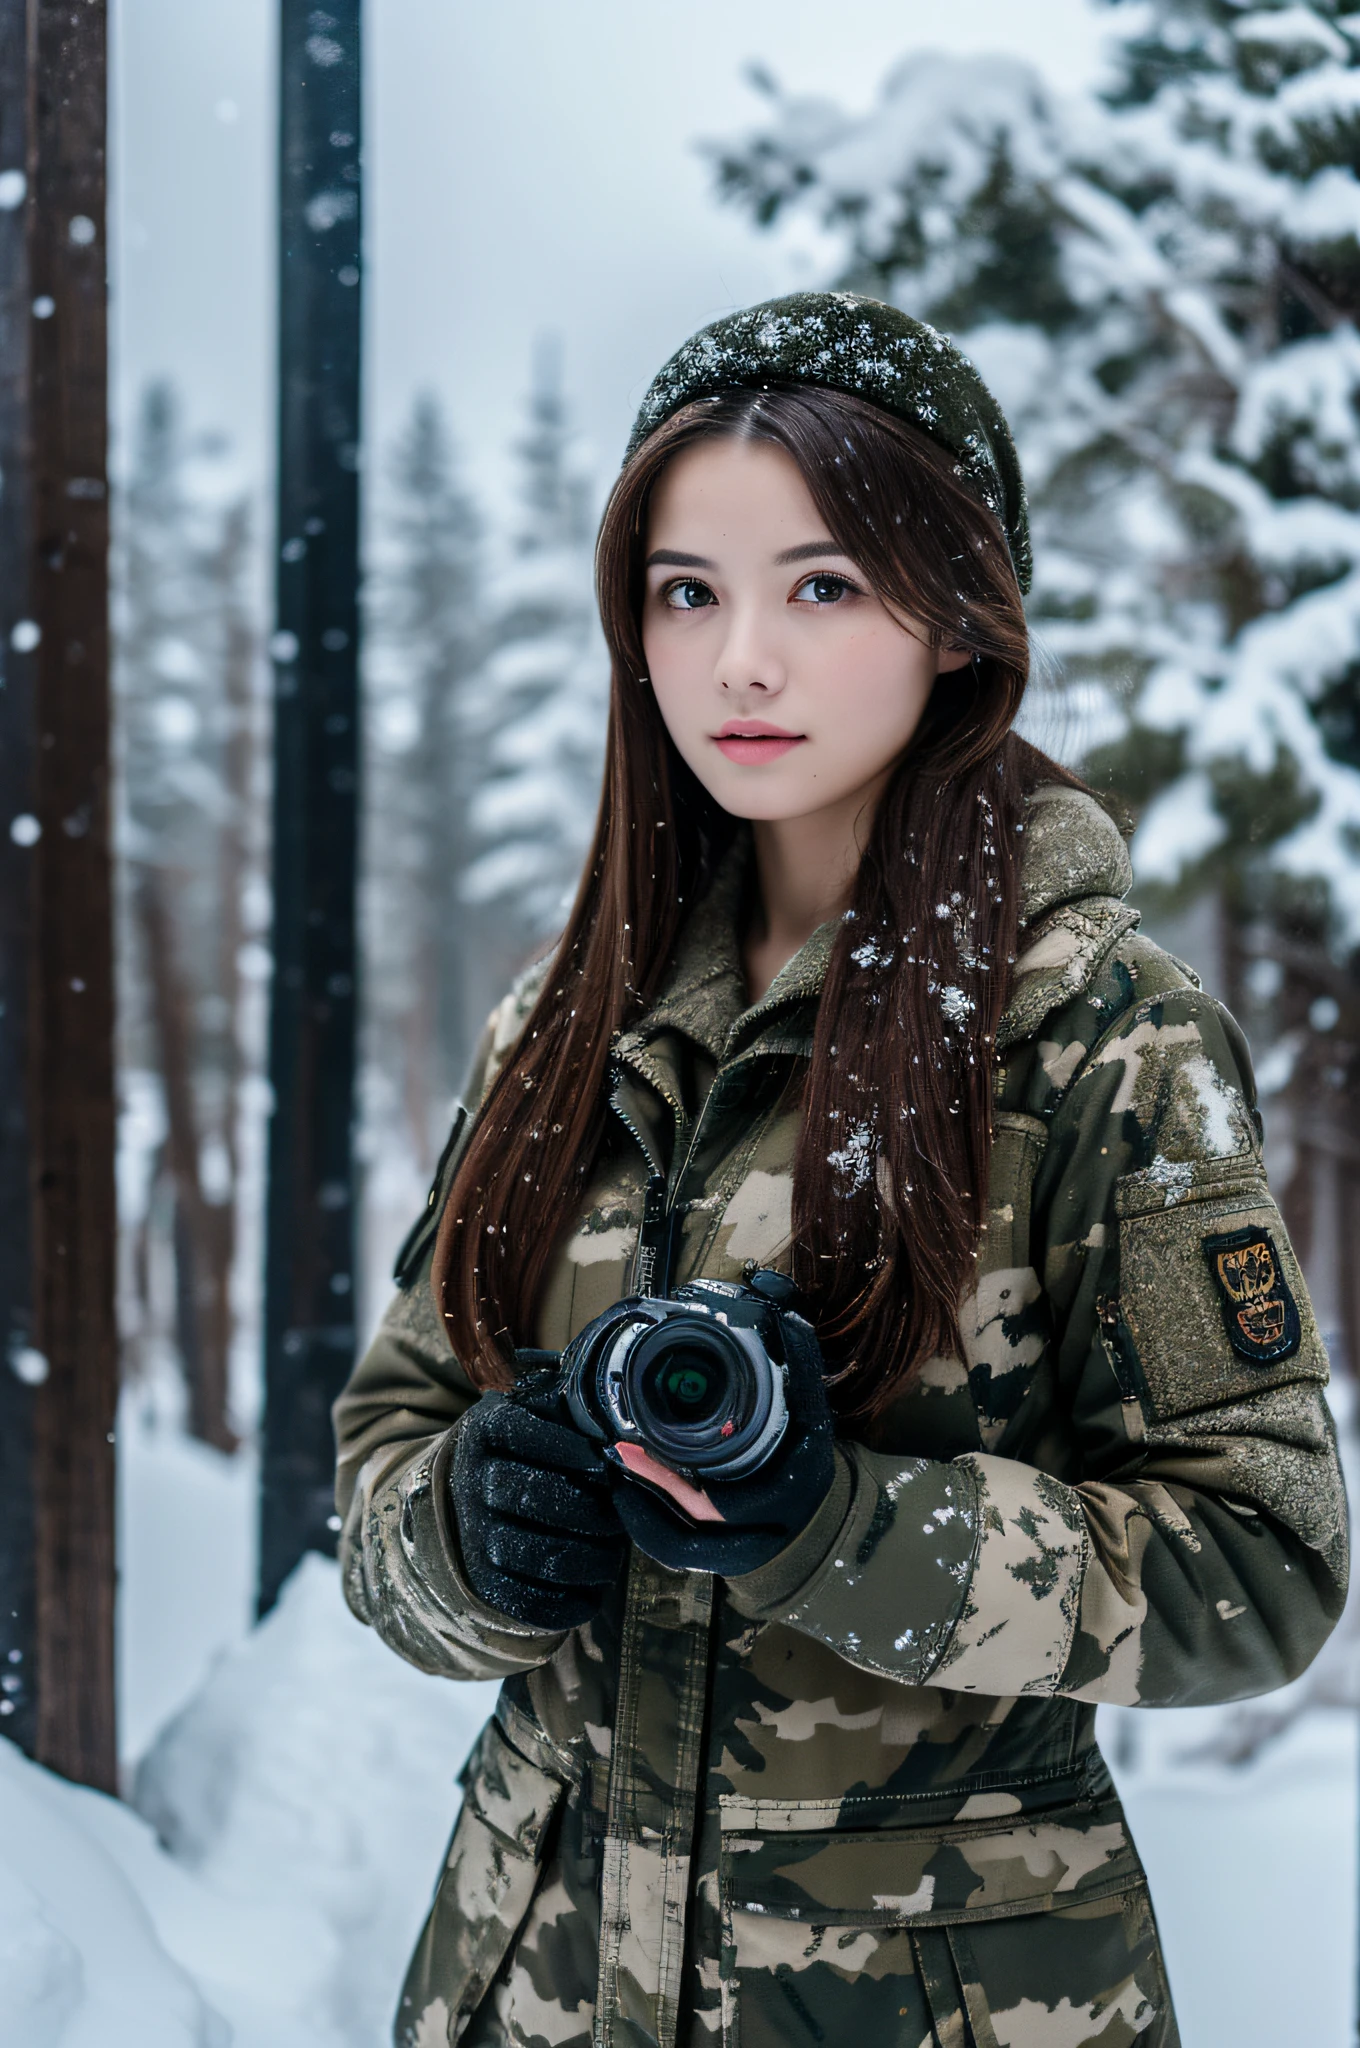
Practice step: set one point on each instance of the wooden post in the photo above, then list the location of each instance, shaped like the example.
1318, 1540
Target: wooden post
309, 1259
59, 1378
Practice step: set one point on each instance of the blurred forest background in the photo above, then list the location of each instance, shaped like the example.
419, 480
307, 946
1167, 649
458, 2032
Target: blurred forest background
486, 691
1160, 283
1159, 276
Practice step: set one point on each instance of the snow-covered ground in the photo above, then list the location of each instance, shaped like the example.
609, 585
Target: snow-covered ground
263, 1887
292, 1790
186, 1580
301, 1802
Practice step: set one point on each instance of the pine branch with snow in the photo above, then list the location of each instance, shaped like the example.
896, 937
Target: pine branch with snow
425, 643
537, 716
1161, 287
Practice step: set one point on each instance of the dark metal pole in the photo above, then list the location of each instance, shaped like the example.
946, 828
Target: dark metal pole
59, 1374
18, 1586
309, 1276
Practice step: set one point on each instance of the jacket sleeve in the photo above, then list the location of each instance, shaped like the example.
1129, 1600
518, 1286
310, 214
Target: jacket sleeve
1194, 1549
396, 1423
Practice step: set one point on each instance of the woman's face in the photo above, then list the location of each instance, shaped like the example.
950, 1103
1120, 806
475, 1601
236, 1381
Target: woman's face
785, 683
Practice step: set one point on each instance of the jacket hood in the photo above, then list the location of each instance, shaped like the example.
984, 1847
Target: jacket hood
1074, 874
1073, 848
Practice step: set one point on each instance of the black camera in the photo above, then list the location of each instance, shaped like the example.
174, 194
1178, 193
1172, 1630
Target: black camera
698, 1378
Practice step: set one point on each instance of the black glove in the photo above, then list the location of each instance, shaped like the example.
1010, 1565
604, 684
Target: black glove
761, 1513
540, 1536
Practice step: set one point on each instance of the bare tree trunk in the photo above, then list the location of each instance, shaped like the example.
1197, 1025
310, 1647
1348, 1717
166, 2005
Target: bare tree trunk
238, 762
203, 1311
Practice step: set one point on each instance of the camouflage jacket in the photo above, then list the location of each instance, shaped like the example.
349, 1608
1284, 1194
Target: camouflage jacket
855, 1794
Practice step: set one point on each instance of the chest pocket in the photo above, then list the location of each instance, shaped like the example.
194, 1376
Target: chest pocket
942, 1933
1005, 1320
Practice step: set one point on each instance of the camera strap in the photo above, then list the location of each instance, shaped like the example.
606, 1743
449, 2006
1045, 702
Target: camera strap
655, 1258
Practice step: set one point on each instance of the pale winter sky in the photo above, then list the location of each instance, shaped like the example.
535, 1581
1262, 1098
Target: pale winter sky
530, 166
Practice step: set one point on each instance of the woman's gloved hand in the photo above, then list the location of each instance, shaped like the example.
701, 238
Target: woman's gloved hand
746, 1521
540, 1536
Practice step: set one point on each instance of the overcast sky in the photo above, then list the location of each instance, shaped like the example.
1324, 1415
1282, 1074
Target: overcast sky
529, 166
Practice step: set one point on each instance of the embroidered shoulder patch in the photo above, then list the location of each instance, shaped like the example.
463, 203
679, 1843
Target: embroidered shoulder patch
1260, 1314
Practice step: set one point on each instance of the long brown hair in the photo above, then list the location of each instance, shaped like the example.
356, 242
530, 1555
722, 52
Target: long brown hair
890, 1171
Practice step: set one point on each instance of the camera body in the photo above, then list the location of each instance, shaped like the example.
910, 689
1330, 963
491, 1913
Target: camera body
698, 1378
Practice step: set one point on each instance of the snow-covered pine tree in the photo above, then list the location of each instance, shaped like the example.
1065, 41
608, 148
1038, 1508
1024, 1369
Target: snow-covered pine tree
1162, 285
427, 639
537, 715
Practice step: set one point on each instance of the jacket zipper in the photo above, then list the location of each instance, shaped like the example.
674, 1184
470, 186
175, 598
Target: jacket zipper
655, 1251
659, 1218
653, 1262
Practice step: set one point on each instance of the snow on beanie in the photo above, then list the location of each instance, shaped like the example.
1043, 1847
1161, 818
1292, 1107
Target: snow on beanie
865, 347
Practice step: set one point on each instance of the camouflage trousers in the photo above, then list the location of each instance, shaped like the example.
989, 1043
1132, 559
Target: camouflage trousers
1026, 1923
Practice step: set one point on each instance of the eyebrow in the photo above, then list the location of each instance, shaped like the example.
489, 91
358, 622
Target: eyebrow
807, 551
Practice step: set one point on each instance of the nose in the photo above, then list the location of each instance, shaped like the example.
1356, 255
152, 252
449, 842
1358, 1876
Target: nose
750, 658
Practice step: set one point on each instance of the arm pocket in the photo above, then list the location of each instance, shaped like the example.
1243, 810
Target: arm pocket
1210, 1292
484, 1891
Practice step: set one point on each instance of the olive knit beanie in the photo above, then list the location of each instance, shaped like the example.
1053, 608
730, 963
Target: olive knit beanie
863, 346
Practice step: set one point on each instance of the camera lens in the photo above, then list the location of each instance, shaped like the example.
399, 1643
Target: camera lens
700, 1394
687, 1385
693, 1383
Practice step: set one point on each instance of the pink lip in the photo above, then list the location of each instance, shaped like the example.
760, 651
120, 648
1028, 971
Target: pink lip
747, 741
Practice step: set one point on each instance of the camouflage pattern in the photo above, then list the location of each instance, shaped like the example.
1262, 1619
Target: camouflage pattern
855, 1795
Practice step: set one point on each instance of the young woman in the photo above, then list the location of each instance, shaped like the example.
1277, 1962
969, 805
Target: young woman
850, 995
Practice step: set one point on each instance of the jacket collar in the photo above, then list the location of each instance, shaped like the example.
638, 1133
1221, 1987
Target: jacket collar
1074, 873
705, 991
